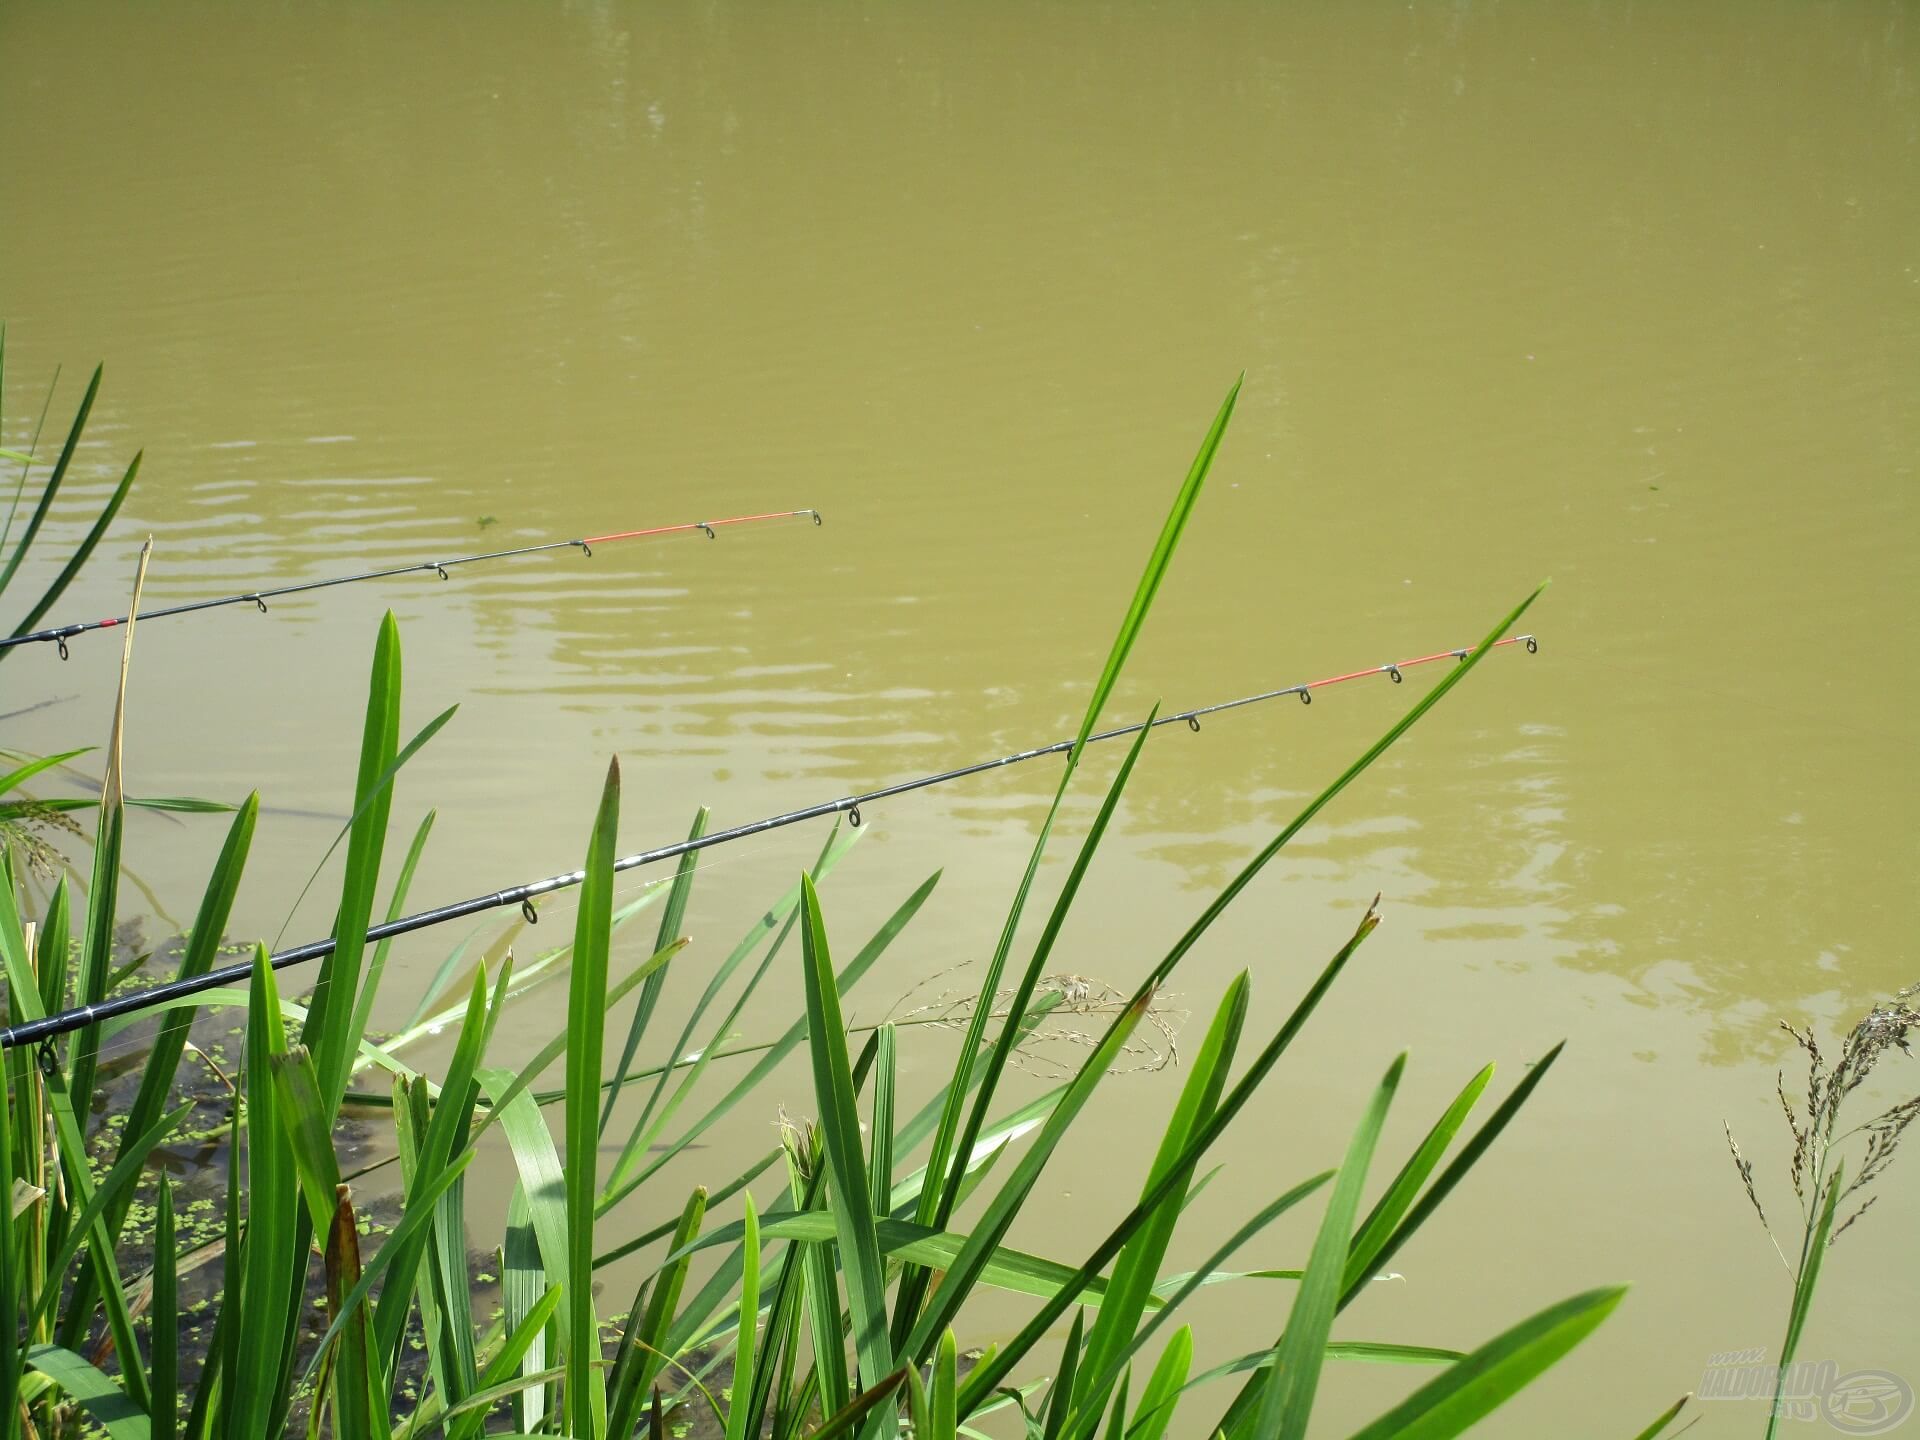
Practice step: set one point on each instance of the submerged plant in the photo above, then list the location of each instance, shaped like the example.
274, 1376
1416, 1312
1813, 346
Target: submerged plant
1818, 1169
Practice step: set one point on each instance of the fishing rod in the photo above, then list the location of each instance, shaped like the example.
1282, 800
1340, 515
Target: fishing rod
44, 1029
60, 634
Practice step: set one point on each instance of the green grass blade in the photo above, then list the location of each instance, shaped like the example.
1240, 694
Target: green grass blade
1117, 1416
1137, 1340
1162, 1394
942, 1402
1805, 1280
1288, 1401
82, 552
506, 1366
543, 1182
781, 1345
59, 474
88, 1224
14, 779
523, 1281
839, 1122
937, 1207
880, 1162
586, 1027
273, 1260
1001, 1210
396, 907
163, 1057
163, 1369
522, 1082
369, 792
56, 938
203, 944
990, 1373
1012, 1031
1392, 1206
414, 1221
445, 1136
1157, 562
1468, 1157
671, 919
775, 1054
859, 1409
807, 1177
782, 916
657, 1344
103, 1401
1667, 1417
16, 1279
71, 1158
743, 1345
358, 1390
1470, 1389
303, 1113
1060, 1394
329, 1027
96, 944
1133, 1273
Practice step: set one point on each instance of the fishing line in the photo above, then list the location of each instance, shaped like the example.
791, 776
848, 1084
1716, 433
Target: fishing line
60, 634
524, 895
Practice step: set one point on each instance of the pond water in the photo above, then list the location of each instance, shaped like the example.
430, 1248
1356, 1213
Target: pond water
1627, 296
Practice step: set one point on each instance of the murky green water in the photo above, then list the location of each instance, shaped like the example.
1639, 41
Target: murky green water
1624, 295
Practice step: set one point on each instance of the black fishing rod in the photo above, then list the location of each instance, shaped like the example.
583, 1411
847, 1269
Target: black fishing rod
60, 634
32, 1031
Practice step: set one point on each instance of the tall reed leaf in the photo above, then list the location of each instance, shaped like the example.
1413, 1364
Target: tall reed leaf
586, 1025
744, 1355
12, 1271
273, 1260
1005, 1205
396, 907
1812, 1253
1296, 1371
1666, 1418
671, 919
1470, 1389
164, 1371
1468, 1157
1162, 1392
1139, 1262
847, 1183
936, 1203
81, 552
329, 1026
1011, 1032
989, 1373
103, 1402
54, 481
96, 948
1392, 1206
775, 1054
648, 1129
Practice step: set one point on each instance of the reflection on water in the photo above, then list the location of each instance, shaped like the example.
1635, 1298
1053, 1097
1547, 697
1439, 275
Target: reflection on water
1618, 294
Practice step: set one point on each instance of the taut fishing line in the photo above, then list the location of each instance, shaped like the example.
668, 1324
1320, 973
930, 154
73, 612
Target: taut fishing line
60, 634
524, 895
